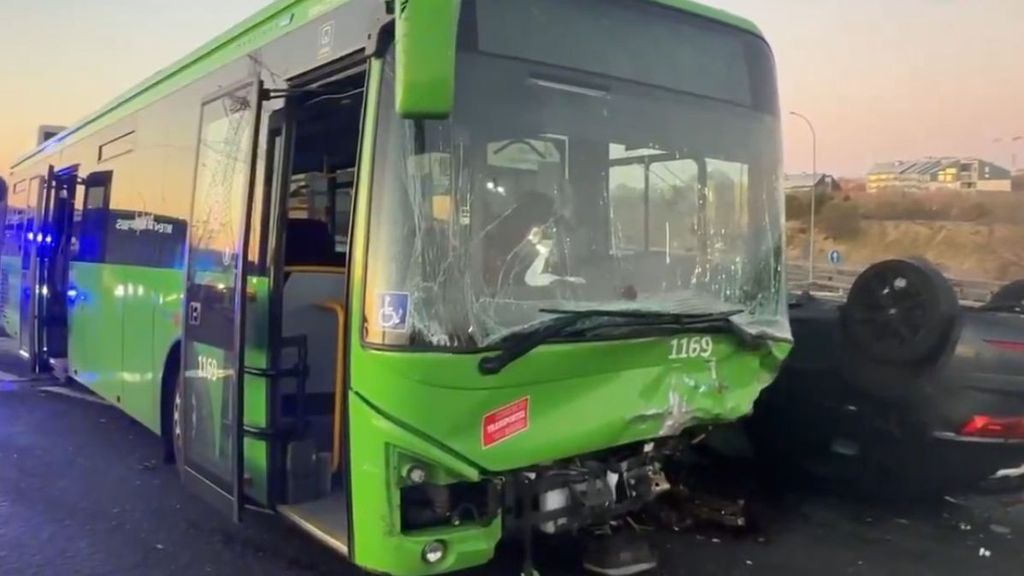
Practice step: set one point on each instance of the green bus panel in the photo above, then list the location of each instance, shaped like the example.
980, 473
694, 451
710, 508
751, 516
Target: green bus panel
124, 321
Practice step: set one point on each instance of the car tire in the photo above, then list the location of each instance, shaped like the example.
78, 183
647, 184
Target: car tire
899, 312
899, 323
1009, 298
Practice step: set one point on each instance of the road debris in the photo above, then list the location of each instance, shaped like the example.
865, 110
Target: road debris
1000, 529
682, 509
984, 552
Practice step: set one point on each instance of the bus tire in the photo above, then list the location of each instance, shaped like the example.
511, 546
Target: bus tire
168, 386
177, 433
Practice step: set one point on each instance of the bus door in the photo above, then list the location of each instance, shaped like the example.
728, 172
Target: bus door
54, 255
32, 249
214, 314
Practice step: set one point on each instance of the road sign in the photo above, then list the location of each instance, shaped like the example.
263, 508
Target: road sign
834, 257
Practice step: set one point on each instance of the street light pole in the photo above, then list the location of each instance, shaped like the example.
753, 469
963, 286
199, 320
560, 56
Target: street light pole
1011, 143
814, 193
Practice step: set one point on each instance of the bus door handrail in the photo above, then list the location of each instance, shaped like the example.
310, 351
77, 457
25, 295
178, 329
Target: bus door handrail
339, 381
299, 371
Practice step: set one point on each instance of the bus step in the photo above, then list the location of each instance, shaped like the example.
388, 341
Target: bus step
325, 519
60, 368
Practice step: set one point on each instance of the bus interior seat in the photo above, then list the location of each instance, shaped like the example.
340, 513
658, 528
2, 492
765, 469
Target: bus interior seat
308, 242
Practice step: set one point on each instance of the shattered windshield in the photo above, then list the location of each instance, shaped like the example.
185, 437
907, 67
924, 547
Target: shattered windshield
565, 179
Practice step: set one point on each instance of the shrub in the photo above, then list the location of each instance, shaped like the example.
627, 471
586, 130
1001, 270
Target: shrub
798, 206
841, 221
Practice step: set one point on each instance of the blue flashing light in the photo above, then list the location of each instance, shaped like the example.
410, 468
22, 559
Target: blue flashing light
49, 238
31, 236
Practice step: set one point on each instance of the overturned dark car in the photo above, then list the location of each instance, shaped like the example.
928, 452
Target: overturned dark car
901, 389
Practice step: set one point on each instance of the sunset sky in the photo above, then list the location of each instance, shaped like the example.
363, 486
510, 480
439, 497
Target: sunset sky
881, 79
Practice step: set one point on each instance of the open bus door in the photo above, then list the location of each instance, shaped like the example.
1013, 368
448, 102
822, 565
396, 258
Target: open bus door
215, 298
28, 302
54, 267
44, 270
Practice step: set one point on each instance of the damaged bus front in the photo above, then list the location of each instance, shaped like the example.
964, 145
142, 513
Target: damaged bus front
565, 266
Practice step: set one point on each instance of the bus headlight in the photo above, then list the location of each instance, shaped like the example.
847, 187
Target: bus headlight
416, 474
434, 552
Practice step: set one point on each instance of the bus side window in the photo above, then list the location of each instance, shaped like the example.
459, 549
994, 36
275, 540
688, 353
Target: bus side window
90, 223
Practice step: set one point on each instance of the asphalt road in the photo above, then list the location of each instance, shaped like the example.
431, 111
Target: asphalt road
83, 491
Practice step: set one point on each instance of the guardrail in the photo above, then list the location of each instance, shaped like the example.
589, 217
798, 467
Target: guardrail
838, 280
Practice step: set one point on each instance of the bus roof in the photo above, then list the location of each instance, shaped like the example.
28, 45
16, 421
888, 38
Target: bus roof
273, 21
713, 13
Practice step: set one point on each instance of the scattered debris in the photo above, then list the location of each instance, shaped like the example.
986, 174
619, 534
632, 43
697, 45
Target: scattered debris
150, 465
714, 510
1000, 529
984, 552
964, 526
159, 546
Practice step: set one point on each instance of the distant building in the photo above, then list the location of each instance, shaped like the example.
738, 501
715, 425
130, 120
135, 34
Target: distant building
802, 183
967, 174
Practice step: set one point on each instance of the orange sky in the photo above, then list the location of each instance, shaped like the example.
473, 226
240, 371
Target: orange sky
881, 79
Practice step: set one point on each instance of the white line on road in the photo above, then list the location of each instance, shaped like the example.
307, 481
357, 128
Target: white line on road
74, 394
8, 377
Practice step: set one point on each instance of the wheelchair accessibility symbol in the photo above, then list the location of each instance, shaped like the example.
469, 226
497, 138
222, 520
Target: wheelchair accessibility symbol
393, 312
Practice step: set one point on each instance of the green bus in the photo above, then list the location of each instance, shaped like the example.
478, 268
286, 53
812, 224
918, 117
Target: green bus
420, 275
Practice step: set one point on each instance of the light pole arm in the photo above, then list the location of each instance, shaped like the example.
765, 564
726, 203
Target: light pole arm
814, 194
814, 140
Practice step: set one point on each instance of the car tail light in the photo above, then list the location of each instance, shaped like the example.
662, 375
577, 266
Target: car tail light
1008, 345
992, 427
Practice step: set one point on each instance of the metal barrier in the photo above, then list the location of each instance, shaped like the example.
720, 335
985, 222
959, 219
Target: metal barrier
838, 280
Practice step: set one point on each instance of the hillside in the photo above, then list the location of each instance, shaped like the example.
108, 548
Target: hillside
961, 249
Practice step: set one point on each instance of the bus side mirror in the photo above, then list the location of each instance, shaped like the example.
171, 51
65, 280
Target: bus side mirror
425, 34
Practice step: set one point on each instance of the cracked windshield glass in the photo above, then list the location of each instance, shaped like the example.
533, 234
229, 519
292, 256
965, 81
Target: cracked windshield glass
583, 178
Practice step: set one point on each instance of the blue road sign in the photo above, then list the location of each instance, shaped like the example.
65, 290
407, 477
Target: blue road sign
834, 257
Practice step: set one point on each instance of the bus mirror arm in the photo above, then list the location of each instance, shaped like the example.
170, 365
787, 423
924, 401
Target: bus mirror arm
382, 35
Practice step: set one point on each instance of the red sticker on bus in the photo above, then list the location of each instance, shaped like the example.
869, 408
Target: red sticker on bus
506, 422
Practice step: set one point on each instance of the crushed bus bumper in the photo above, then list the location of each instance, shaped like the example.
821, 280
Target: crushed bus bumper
581, 447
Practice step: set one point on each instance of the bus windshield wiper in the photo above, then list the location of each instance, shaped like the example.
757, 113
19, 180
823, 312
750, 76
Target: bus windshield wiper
522, 343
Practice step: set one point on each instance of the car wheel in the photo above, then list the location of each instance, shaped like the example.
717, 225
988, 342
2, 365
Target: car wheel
1008, 298
899, 312
897, 327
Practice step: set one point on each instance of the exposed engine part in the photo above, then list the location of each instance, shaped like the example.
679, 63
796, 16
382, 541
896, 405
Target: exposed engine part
430, 505
593, 492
